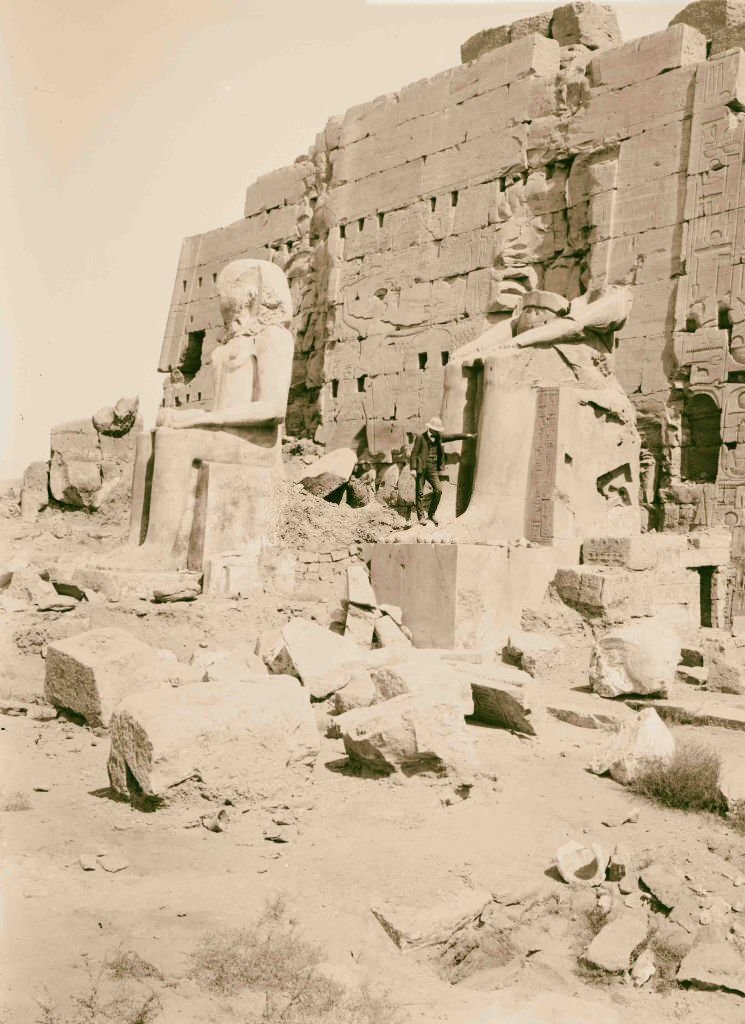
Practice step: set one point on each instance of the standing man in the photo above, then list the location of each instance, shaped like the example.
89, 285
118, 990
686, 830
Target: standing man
427, 459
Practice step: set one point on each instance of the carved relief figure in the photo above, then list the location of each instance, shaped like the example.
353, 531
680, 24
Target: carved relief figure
252, 369
558, 450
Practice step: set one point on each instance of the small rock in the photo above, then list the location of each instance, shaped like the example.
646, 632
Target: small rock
87, 861
619, 864
643, 742
613, 947
179, 591
41, 712
113, 862
644, 968
714, 965
664, 882
216, 822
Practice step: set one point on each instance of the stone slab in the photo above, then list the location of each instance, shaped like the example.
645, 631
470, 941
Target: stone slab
647, 57
685, 707
461, 595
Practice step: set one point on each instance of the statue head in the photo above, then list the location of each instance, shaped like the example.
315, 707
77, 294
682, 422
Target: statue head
253, 294
539, 308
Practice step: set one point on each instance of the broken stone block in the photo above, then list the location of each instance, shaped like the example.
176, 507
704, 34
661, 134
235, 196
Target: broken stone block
640, 658
242, 661
640, 744
359, 588
666, 883
712, 965
326, 477
233, 574
613, 947
534, 653
413, 927
411, 734
360, 624
34, 490
596, 592
732, 781
358, 693
178, 591
589, 24
484, 41
239, 740
692, 675
114, 421
422, 673
26, 585
619, 864
361, 490
711, 16
91, 672
645, 58
502, 698
582, 865
726, 672
323, 661
388, 633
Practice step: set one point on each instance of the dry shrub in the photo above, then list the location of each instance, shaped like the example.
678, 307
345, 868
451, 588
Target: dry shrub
17, 801
272, 959
690, 781
129, 964
736, 817
94, 1007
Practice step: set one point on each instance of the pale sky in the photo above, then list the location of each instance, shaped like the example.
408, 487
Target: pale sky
128, 124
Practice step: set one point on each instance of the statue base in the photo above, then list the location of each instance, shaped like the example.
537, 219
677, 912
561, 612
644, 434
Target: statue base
465, 595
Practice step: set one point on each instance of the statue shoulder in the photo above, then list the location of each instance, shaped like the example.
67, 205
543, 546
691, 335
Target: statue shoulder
275, 337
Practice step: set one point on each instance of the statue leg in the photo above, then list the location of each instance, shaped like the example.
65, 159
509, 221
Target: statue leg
173, 485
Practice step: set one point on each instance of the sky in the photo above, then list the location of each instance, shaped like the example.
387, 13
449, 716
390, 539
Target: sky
126, 125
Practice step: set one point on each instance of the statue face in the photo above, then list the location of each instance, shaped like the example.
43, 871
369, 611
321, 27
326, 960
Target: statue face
239, 303
534, 316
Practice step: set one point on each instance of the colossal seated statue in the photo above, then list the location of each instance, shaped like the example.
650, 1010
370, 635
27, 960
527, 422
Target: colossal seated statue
209, 481
557, 454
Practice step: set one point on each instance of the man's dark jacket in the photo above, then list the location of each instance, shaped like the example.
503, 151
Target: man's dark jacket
420, 452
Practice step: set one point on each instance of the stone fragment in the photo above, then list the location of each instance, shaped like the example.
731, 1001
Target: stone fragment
113, 862
619, 864
644, 968
360, 490
179, 591
640, 658
323, 661
114, 421
34, 490
502, 698
423, 673
713, 965
359, 588
726, 672
613, 947
26, 585
388, 633
358, 693
484, 41
732, 781
665, 882
326, 477
582, 865
360, 624
394, 612
413, 928
221, 666
411, 734
589, 24
87, 861
534, 653
238, 740
640, 744
41, 713
711, 16
91, 672
692, 675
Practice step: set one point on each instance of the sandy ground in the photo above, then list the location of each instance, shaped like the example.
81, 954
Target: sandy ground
352, 843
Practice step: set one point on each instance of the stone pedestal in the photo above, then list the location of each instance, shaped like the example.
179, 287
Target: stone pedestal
464, 595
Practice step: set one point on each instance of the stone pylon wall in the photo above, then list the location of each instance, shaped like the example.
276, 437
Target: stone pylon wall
557, 157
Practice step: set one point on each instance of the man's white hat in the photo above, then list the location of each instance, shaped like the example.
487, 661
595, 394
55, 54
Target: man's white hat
435, 424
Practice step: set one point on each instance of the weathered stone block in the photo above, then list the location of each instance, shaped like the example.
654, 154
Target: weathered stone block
639, 658
415, 928
647, 57
323, 661
245, 739
34, 490
480, 43
501, 697
278, 188
613, 947
711, 16
641, 744
91, 672
588, 24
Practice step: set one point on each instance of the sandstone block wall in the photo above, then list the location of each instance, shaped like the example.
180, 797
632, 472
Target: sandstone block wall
559, 158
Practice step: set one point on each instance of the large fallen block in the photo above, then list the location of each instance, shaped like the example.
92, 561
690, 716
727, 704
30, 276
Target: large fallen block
534, 653
326, 477
501, 696
645, 742
323, 661
589, 24
416, 927
91, 672
424, 673
640, 658
411, 734
241, 739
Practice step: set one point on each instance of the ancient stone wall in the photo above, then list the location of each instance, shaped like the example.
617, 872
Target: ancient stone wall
564, 163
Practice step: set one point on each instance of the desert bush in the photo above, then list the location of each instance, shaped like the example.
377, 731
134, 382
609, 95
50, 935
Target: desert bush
271, 958
129, 964
17, 801
690, 781
96, 1006
736, 817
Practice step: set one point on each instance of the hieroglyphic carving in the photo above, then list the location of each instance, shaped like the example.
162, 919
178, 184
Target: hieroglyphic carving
540, 505
704, 352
